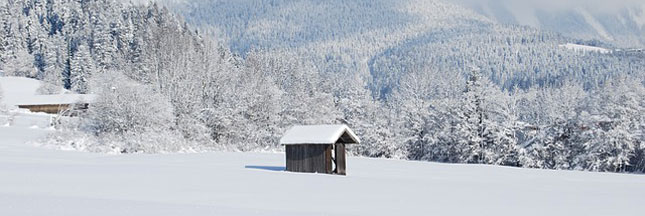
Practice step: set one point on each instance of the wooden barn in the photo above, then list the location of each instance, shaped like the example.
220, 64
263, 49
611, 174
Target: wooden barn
317, 148
64, 104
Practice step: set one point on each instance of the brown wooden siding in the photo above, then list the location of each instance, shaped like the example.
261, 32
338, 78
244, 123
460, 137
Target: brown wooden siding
340, 159
311, 158
52, 108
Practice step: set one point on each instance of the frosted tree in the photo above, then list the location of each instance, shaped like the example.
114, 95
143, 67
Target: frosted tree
500, 132
103, 46
21, 65
613, 130
470, 127
259, 100
484, 126
5, 32
55, 57
555, 136
125, 108
378, 137
81, 69
412, 102
610, 150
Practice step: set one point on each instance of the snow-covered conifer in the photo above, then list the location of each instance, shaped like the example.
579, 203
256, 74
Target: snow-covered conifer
81, 69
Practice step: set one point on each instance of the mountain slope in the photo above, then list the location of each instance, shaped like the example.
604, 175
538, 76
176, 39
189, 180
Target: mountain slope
383, 40
621, 22
324, 30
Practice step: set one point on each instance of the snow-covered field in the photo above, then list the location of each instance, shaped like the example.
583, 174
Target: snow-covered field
37, 180
42, 181
16, 89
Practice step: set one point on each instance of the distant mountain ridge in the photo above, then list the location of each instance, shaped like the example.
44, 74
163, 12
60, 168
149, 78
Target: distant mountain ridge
333, 24
623, 24
382, 40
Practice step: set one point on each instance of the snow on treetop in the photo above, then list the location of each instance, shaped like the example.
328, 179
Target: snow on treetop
17, 88
317, 134
585, 48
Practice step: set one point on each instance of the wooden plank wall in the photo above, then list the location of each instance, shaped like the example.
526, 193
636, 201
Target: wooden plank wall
311, 158
340, 159
48, 108
54, 108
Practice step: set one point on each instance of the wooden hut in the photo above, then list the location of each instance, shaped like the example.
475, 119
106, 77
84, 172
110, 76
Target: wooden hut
64, 104
317, 148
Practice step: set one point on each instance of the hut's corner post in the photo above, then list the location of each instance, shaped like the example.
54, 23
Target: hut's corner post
328, 160
289, 163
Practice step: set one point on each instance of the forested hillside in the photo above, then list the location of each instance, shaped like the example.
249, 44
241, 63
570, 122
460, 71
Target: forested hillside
420, 80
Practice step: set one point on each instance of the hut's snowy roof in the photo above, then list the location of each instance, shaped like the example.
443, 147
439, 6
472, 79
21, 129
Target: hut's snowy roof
318, 134
57, 99
24, 91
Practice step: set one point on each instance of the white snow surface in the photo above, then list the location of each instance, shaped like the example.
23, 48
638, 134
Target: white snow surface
38, 180
585, 48
316, 134
23, 91
42, 181
17, 88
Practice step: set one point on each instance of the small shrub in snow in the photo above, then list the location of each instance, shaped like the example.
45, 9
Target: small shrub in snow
124, 106
143, 142
127, 117
73, 140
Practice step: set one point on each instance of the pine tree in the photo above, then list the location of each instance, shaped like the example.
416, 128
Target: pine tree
82, 69
470, 127
55, 57
484, 125
612, 130
5, 36
412, 102
21, 65
103, 47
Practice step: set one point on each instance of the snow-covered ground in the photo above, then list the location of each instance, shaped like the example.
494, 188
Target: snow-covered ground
585, 48
23, 91
37, 180
16, 89
41, 181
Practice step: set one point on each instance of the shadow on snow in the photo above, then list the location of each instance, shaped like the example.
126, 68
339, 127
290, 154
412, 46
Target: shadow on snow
269, 168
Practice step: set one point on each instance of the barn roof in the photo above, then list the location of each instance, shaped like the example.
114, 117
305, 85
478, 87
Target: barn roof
319, 134
57, 99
